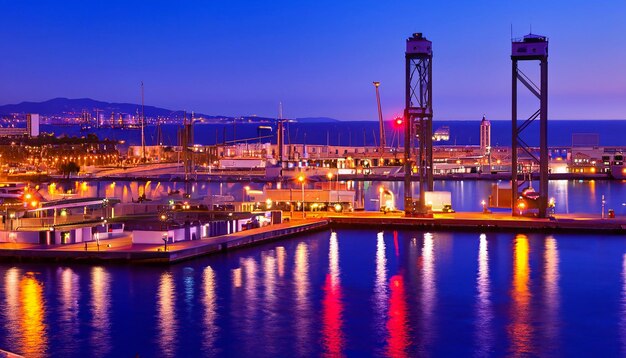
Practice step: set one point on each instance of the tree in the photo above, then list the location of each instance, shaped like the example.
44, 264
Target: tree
68, 168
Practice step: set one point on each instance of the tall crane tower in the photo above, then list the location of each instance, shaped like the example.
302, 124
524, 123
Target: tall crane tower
383, 143
530, 48
418, 114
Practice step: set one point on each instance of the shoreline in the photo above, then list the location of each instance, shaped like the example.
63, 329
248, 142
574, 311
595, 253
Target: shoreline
121, 250
247, 177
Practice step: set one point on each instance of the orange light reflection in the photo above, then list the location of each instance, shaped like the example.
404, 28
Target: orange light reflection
520, 329
34, 341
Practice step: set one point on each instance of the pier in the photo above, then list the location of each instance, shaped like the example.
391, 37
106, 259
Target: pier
122, 250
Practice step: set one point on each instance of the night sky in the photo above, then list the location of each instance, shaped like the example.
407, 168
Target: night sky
319, 58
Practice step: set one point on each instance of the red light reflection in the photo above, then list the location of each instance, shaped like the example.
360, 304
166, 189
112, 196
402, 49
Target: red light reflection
398, 338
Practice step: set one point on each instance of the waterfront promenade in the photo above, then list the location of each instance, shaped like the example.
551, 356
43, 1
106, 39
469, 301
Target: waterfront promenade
121, 248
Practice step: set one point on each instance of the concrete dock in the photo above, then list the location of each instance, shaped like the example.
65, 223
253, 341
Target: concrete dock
122, 250
485, 222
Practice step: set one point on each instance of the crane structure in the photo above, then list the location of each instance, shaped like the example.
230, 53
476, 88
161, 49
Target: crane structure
383, 143
524, 199
418, 115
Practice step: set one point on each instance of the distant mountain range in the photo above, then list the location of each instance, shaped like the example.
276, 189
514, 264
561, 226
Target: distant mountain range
63, 107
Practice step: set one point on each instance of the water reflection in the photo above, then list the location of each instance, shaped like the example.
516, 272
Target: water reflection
100, 306
561, 195
429, 288
69, 293
520, 329
332, 336
380, 287
623, 317
210, 328
236, 275
24, 313
397, 325
11, 309
280, 257
484, 314
270, 302
166, 315
551, 294
250, 320
189, 288
302, 312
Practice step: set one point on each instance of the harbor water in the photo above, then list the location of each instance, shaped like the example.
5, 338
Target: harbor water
352, 292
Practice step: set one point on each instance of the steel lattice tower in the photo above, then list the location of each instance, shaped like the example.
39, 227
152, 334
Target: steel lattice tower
418, 116
530, 48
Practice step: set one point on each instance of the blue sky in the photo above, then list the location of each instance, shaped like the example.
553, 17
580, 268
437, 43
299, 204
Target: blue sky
319, 58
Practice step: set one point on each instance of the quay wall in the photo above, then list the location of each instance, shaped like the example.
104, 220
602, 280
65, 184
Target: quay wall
185, 250
484, 224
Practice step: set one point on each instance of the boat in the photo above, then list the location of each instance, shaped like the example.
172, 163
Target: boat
11, 190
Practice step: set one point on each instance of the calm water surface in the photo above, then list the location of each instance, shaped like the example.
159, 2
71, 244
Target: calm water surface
352, 292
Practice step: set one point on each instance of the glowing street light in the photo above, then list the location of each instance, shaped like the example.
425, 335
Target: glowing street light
521, 206
301, 179
484, 204
246, 189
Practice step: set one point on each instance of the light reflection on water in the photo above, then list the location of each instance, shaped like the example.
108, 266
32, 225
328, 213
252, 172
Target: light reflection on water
397, 325
167, 316
302, 309
69, 295
623, 307
34, 332
332, 307
551, 294
343, 293
429, 291
484, 313
520, 329
210, 329
380, 288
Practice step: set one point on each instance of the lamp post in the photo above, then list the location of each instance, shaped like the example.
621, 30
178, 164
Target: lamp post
329, 175
246, 189
301, 180
163, 218
484, 204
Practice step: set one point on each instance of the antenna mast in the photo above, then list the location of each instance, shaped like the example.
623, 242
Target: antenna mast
143, 135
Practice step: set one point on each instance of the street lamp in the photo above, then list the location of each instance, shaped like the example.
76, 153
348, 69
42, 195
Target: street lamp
521, 206
163, 218
329, 175
246, 189
301, 179
484, 204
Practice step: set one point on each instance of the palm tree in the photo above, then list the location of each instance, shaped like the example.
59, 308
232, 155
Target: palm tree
68, 168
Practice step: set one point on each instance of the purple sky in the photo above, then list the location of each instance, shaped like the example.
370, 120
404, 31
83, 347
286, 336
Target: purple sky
319, 58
